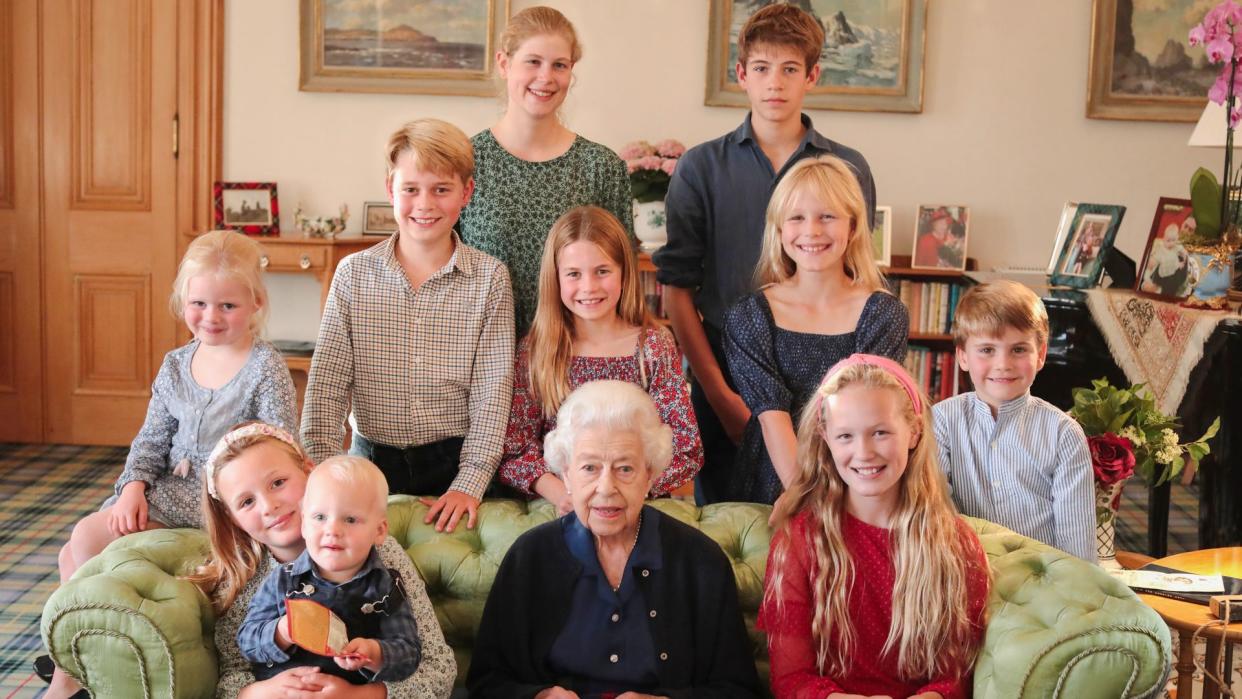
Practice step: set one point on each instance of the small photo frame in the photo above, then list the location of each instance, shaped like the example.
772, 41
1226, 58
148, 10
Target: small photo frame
940, 236
1091, 234
378, 218
249, 207
1063, 231
882, 236
1168, 272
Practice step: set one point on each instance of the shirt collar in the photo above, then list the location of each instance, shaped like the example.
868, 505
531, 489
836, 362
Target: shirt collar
647, 551
460, 260
1009, 407
746, 132
303, 565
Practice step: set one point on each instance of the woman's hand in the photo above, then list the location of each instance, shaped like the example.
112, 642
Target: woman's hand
551, 488
556, 693
129, 513
294, 683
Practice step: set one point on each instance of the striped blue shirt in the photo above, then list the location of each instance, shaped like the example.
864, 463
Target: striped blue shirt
1027, 469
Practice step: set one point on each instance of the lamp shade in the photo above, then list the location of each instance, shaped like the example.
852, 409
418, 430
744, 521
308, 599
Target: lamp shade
1210, 131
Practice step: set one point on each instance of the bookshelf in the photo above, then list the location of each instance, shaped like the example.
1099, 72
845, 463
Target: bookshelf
931, 296
653, 291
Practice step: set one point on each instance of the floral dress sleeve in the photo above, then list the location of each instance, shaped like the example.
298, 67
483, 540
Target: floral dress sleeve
522, 463
671, 392
149, 452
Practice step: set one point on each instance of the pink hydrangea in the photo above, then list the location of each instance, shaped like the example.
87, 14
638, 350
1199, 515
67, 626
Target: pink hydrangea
670, 148
636, 150
668, 166
631, 166
650, 162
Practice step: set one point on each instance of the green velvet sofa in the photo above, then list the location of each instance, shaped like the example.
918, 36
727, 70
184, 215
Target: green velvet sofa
1057, 627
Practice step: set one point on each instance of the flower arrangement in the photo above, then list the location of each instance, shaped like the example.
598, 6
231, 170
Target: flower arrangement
1126, 433
1216, 214
651, 167
320, 226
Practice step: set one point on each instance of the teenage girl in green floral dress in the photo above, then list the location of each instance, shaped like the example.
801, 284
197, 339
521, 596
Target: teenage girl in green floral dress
530, 168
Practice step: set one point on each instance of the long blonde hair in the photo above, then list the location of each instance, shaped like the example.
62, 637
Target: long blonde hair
229, 253
550, 340
832, 180
235, 556
931, 628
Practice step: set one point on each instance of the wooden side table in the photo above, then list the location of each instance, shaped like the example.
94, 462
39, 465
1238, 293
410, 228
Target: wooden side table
1185, 617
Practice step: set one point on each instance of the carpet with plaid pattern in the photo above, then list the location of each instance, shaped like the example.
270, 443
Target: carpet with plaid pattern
46, 489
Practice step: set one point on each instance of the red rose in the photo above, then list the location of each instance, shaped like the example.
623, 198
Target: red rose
1112, 458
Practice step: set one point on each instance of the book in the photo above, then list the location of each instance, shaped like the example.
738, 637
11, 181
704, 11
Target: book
1229, 586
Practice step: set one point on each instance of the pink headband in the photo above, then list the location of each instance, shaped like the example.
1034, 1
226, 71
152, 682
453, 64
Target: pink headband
898, 372
254, 428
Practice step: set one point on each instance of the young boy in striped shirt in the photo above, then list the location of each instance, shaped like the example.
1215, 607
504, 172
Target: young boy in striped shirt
1012, 458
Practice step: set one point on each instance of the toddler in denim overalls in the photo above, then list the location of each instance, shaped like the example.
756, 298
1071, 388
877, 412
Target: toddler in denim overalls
343, 520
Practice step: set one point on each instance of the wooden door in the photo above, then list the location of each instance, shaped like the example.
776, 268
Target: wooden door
109, 83
21, 407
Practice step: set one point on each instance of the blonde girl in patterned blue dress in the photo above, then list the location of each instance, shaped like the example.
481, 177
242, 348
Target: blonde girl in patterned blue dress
225, 375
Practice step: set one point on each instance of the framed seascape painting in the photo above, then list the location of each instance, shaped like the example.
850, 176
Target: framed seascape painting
378, 218
1092, 231
1168, 272
249, 207
882, 236
940, 237
1142, 66
872, 59
431, 47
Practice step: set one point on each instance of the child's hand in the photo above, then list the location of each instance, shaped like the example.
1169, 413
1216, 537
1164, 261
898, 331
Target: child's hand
361, 653
450, 507
283, 639
129, 513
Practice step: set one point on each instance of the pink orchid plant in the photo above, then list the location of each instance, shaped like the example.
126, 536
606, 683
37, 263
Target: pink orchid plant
650, 167
1219, 34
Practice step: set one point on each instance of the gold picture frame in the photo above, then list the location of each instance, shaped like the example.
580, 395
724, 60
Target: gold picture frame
1110, 67
841, 85
342, 47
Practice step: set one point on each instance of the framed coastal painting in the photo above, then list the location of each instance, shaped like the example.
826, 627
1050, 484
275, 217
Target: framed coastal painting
940, 237
378, 218
249, 207
1142, 66
1168, 272
882, 236
872, 60
430, 47
1092, 231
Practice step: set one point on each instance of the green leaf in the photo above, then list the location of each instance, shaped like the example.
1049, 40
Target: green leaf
1211, 431
1119, 422
1205, 197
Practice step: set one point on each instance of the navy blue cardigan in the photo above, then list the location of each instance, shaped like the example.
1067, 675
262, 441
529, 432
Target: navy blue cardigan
698, 635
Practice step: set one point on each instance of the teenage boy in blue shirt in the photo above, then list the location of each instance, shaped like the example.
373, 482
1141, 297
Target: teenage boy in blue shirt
716, 203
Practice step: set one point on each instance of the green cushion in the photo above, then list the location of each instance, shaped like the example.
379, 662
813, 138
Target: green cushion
1058, 627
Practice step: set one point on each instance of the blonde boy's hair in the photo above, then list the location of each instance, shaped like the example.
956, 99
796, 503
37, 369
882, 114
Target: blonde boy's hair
781, 24
551, 341
987, 309
437, 145
539, 21
354, 472
227, 253
833, 182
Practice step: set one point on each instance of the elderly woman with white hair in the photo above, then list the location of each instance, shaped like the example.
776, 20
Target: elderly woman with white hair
614, 599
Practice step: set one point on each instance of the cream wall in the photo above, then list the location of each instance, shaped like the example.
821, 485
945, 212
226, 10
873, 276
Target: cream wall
1002, 130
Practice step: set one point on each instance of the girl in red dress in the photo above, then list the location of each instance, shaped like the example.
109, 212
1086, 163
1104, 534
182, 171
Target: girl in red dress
875, 587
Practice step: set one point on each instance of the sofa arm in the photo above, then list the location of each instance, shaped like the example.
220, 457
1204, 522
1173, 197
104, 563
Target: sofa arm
125, 621
1061, 627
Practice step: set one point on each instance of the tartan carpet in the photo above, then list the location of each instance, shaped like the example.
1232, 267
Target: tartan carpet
44, 491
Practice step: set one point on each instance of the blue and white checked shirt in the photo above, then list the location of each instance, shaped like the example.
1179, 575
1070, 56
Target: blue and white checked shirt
1027, 469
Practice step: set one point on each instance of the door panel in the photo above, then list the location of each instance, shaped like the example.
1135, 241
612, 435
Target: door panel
21, 375
110, 212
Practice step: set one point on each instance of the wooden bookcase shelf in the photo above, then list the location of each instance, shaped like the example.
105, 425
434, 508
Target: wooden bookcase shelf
930, 356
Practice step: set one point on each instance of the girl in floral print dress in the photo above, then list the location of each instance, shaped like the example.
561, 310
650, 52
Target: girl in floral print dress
591, 323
